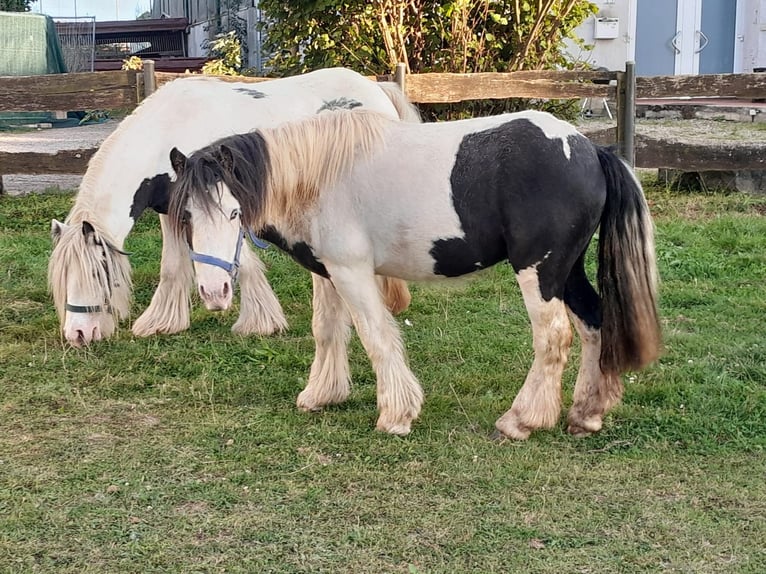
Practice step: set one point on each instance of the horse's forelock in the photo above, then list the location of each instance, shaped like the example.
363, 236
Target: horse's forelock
199, 175
73, 255
205, 170
246, 179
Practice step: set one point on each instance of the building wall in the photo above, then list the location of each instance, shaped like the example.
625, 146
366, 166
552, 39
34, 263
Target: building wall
750, 42
201, 14
609, 53
754, 42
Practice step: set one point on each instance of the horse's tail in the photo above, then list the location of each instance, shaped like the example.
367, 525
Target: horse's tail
627, 272
406, 109
395, 293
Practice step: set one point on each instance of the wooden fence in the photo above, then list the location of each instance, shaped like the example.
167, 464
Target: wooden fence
125, 89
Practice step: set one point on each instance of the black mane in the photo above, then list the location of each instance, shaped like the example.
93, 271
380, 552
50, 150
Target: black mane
240, 161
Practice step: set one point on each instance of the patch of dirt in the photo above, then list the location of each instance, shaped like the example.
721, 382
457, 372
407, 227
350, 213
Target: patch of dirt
50, 141
690, 131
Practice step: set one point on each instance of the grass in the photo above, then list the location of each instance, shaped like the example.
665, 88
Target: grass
186, 454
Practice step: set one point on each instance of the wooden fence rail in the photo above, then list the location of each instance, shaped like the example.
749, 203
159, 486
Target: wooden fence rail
126, 89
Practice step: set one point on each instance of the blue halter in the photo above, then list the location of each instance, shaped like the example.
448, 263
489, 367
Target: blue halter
231, 267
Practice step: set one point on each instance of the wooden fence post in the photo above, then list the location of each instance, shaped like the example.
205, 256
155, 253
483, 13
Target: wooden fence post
626, 113
400, 77
150, 82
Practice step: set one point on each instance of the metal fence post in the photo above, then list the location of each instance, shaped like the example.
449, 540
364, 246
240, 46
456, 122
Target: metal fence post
626, 113
400, 77
150, 82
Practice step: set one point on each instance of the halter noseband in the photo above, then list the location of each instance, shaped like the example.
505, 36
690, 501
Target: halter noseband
97, 308
231, 267
87, 308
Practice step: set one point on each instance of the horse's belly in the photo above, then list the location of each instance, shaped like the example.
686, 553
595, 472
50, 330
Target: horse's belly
425, 259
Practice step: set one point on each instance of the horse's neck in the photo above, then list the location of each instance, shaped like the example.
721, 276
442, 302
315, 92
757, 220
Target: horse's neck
108, 188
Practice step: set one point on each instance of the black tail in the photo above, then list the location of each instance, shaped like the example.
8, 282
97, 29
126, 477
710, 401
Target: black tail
627, 272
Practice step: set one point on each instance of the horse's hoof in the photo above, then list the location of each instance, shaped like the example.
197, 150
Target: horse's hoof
246, 328
399, 426
510, 426
307, 403
582, 427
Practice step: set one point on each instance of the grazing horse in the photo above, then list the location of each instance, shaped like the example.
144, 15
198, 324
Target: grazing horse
89, 273
352, 194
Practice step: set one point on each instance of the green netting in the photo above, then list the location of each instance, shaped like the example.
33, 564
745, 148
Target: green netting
29, 45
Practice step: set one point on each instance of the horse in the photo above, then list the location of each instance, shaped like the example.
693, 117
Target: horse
89, 273
350, 194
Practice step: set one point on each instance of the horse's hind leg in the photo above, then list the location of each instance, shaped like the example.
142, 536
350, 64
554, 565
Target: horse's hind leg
329, 379
260, 311
595, 392
400, 396
395, 293
168, 311
538, 403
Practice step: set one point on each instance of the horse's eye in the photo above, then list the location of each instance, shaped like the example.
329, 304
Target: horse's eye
234, 214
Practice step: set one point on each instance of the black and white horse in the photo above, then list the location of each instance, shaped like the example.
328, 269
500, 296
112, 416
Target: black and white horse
89, 273
352, 194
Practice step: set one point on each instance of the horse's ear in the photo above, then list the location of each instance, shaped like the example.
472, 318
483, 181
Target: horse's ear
57, 228
226, 158
87, 229
178, 161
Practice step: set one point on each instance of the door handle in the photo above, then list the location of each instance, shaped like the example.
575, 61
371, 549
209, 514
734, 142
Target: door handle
674, 42
704, 39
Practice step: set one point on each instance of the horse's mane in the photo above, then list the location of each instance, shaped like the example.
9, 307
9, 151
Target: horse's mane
276, 174
310, 155
407, 111
72, 255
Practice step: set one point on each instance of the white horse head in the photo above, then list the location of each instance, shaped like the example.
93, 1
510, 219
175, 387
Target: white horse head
220, 231
89, 277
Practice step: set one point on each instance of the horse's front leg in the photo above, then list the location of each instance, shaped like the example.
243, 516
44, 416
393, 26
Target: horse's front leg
400, 396
260, 311
168, 311
329, 380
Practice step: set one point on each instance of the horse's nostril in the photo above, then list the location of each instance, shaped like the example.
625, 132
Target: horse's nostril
226, 289
202, 291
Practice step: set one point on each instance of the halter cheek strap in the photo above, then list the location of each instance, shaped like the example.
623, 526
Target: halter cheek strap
257, 241
232, 267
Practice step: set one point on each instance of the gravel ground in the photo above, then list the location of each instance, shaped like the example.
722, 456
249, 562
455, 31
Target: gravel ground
51, 140
692, 131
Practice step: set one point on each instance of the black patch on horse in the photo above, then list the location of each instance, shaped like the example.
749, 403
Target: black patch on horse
340, 104
252, 92
519, 198
301, 251
153, 192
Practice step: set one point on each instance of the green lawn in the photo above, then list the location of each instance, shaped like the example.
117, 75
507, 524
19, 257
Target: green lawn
186, 453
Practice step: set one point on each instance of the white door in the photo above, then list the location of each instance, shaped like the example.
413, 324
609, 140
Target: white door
685, 36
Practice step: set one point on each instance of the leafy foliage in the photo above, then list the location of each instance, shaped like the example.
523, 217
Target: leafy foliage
228, 49
133, 63
448, 36
229, 44
15, 5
